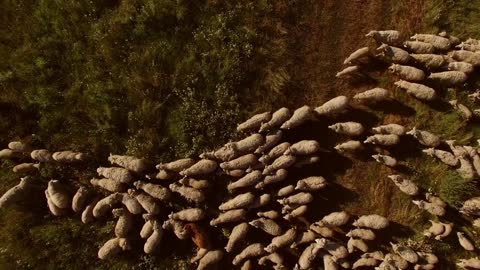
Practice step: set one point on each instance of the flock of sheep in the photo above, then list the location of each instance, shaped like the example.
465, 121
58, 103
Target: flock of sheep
263, 196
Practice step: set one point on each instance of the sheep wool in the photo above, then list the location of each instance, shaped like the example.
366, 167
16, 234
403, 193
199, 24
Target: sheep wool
194, 183
440, 43
348, 128
424, 137
335, 249
305, 237
18, 146
188, 193
274, 153
236, 236
407, 73
432, 208
41, 155
448, 229
146, 201
275, 258
8, 153
417, 90
230, 216
260, 201
272, 214
464, 67
373, 221
131, 203
448, 78
155, 238
124, 223
55, 210
247, 265
210, 259
390, 129
200, 253
405, 185
298, 212
147, 229
436, 228
106, 204
156, 191
383, 139
365, 262
251, 251
278, 176
335, 105
391, 37
329, 263
267, 225
271, 139
405, 252
177, 165
281, 162
473, 263
178, 227
68, 156
299, 117
58, 194
444, 156
80, 198
87, 214
349, 146
357, 55
356, 244
242, 162
308, 255
120, 175
254, 122
16, 193
26, 168
297, 199
189, 215
348, 71
164, 175
128, 162
394, 260
312, 183
334, 219
304, 147
464, 111
419, 47
430, 61
466, 169
465, 242
238, 202
249, 179
113, 247
202, 167
466, 56
279, 117
249, 144
365, 234
385, 160
283, 240
109, 184
393, 54
372, 95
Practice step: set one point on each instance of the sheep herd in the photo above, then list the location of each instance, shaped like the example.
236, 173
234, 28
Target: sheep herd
262, 196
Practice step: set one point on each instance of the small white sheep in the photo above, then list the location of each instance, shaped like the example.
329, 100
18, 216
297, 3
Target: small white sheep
68, 156
146, 201
147, 228
465, 242
55, 210
188, 193
267, 225
373, 221
466, 56
87, 214
385, 160
235, 215
405, 252
448, 78
349, 146
464, 111
80, 198
260, 201
464, 67
177, 165
18, 146
120, 175
356, 244
391, 37
372, 95
444, 156
275, 258
275, 152
329, 262
334, 219
297, 213
335, 105
458, 150
254, 122
348, 128
156, 191
417, 90
247, 265
335, 249
304, 147
365, 234
281, 162
297, 199
279, 117
237, 235
251, 251
271, 214
308, 255
365, 262
285, 191
472, 263
440, 43
8, 153
448, 228
407, 73
424, 137
238, 202
128, 162
393, 260
390, 129
109, 184
393, 54
435, 229
164, 175
212, 258
435, 199
194, 183
305, 237
124, 223
41, 155
419, 47
299, 117
26, 168
113, 247
202, 167
383, 139
432, 208
278, 176
430, 61
312, 183
242, 162
271, 139
58, 194
466, 169
154, 239
131, 203
16, 193
351, 71
189, 215
250, 179
357, 55
178, 228
284, 240
405, 185
428, 258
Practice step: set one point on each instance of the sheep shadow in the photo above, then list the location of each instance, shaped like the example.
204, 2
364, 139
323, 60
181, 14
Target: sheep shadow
392, 106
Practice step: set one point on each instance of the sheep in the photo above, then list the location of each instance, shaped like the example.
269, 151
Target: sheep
432, 208
308, 255
177, 165
335, 105
194, 183
283, 240
188, 193
466, 56
267, 225
274, 153
356, 243
297, 199
475, 158
374, 221
202, 167
278, 176
249, 179
178, 228
364, 234
350, 71
434, 199
322, 231
348, 128
405, 252
18, 146
213, 257
281, 162
365, 262
385, 160
120, 175
8, 153
383, 139
128, 162
79, 200
242, 162
405, 185
428, 258
164, 175
472, 41
419, 47
349, 146
248, 145
147, 228
466, 169
472, 263
26, 168
329, 263
458, 150
304, 147
224, 153
109, 184
391, 37
200, 253
112, 247
465, 242
16, 193
444, 156
238, 202
430, 61
156, 191
448, 229
424, 137
124, 223
87, 214
285, 191
334, 219
332, 247
437, 228
462, 109
237, 235
312, 183
189, 215
55, 210
253, 250
131, 203
440, 43
417, 90
395, 260
271, 140
305, 237
154, 239
394, 54
68, 156
453, 39
377, 255
279, 117
354, 57
373, 95
247, 265
309, 160
260, 201
464, 67
235, 215
448, 78
146, 201
473, 97
272, 214
255, 122
299, 117
390, 129
274, 258
298, 212
407, 73
58, 194
106, 204
41, 155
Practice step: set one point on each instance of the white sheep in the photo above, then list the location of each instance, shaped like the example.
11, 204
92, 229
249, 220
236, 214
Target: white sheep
177, 165
251, 251
377, 255
279, 117
453, 39
58, 194
440, 43
308, 256
383, 139
79, 200
448, 228
109, 184
147, 228
230, 216
247, 265
242, 162
373, 221
428, 258
419, 47
334, 219
390, 129
464, 67
435, 229
164, 175
18, 146
296, 213
458, 150
131, 203
405, 185
285, 191
274, 152
267, 225
189, 215
194, 183
365, 262
465, 242
299, 117
444, 156
312, 183
385, 160
297, 199
391, 37
250, 179
466, 56
357, 55
329, 262
275, 258
124, 223
41, 155
305, 237
128, 162
304, 147
260, 201
373, 95
200, 253
395, 261
278, 176
68, 156
120, 175
472, 263
393, 54
146, 201
466, 169
281, 162
271, 214
474, 97
8, 153
464, 111
238, 202
283, 240
425, 137
365, 234
405, 252
335, 105
271, 139
113, 247
254, 122
212, 258
348, 128
154, 239
407, 73
435, 199
356, 244
16, 193
432, 208
448, 78
430, 61
157, 191
202, 167
238, 234
188, 193
55, 210
333, 248
178, 228
26, 168
87, 214
417, 90
349, 146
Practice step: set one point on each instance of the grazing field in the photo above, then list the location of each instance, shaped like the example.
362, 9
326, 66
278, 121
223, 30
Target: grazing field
171, 79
